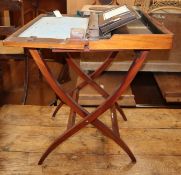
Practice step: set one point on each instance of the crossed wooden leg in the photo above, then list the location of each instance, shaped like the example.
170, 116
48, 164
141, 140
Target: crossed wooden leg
94, 75
89, 117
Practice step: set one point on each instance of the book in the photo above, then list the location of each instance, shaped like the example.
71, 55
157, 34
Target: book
115, 18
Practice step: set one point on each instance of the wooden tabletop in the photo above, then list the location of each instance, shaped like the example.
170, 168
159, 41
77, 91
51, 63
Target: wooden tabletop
158, 38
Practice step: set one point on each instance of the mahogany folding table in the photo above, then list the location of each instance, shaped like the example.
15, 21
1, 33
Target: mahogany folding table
148, 34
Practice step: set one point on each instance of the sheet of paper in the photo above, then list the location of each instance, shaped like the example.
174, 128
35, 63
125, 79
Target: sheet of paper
115, 12
56, 28
57, 13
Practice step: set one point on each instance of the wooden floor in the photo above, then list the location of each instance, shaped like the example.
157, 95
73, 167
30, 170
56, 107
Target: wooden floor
154, 135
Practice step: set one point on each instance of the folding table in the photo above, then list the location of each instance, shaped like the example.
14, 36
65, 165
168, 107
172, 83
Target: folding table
142, 38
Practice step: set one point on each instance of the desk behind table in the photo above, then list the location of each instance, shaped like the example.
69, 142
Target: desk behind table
158, 61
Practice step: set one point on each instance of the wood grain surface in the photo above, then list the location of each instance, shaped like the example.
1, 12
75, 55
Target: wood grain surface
10, 50
153, 134
170, 86
161, 38
89, 96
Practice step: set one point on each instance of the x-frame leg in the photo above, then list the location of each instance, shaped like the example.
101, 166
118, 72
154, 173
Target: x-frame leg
88, 117
94, 75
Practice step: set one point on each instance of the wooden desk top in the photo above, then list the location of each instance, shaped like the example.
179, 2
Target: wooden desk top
155, 37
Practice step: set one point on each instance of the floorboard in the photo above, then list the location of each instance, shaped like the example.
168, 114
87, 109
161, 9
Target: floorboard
153, 135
